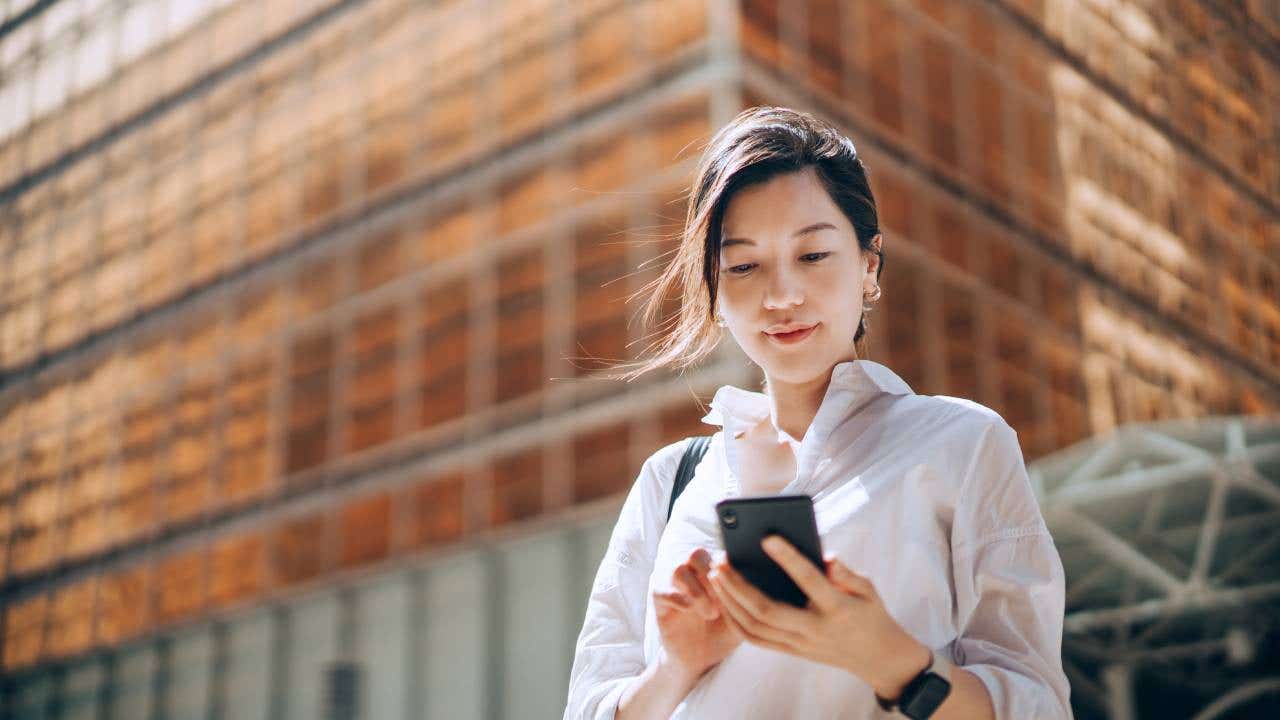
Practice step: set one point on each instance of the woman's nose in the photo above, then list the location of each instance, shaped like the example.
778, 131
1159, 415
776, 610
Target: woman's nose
783, 291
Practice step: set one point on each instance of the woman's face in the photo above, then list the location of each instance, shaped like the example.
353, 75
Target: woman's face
790, 261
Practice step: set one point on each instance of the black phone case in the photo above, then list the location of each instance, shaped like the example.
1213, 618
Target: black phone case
744, 522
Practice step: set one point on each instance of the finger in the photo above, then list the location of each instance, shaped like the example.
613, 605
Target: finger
683, 580
749, 627
670, 600
735, 626
810, 579
841, 575
761, 608
758, 640
731, 615
693, 570
700, 559
712, 600
700, 596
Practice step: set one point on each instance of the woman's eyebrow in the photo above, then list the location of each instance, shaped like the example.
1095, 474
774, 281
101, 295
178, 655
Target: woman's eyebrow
802, 231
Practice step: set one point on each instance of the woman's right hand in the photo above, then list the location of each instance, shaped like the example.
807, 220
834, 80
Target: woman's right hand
695, 633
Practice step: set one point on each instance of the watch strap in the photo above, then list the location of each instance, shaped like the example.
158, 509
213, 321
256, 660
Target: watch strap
938, 665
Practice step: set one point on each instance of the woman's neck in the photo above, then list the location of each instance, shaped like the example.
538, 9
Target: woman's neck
792, 406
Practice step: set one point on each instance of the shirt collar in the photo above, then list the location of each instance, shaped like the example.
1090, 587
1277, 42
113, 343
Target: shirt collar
854, 381
853, 384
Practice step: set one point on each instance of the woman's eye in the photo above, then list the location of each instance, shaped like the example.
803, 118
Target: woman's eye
808, 258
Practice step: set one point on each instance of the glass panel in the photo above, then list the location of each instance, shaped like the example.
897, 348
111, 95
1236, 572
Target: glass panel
31, 697
536, 650
93, 54
313, 645
9, 103
141, 26
190, 671
18, 42
371, 389
600, 464
520, 311
517, 487
51, 81
185, 13
80, 690
308, 440
384, 633
248, 670
56, 17
19, 112
456, 639
92, 6
594, 540
134, 673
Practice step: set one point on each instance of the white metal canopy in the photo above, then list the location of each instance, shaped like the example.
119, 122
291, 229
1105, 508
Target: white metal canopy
1170, 536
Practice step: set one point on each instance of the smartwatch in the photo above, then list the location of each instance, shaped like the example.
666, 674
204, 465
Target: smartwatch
926, 691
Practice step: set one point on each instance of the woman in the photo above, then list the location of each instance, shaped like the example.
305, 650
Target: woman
938, 561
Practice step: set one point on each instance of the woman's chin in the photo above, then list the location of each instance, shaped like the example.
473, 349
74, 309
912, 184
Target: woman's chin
794, 371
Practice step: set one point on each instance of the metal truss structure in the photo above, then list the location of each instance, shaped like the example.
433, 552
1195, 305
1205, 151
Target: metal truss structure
1170, 536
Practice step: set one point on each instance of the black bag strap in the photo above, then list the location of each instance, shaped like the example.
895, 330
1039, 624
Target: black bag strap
693, 453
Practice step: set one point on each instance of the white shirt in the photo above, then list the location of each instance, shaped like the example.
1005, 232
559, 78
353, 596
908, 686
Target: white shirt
927, 496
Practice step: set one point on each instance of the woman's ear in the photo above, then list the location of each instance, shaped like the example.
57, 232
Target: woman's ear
873, 256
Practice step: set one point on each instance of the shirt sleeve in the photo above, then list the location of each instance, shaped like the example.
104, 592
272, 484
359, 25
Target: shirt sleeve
610, 649
1010, 586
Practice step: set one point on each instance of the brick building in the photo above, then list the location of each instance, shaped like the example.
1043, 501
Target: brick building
295, 293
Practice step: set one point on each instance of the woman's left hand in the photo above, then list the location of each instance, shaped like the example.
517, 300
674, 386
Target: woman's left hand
845, 623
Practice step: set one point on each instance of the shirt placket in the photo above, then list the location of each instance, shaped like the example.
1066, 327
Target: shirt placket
732, 425
812, 457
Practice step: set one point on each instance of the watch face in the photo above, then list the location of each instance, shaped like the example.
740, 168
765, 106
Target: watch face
920, 701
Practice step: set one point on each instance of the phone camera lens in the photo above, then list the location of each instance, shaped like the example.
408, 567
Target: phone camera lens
730, 519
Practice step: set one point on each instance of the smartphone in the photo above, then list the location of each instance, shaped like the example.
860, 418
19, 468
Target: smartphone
744, 522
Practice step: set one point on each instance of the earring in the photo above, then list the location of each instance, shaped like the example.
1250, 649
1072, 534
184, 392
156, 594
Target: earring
720, 320
874, 295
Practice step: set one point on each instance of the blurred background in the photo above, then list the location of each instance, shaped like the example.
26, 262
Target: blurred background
304, 308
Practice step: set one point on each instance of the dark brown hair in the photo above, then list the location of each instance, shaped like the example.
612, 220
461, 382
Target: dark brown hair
756, 146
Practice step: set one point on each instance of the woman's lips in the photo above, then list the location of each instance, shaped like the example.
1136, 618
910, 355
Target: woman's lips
792, 338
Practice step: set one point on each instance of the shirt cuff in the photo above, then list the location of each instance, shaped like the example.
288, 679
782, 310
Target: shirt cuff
607, 709
1014, 695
